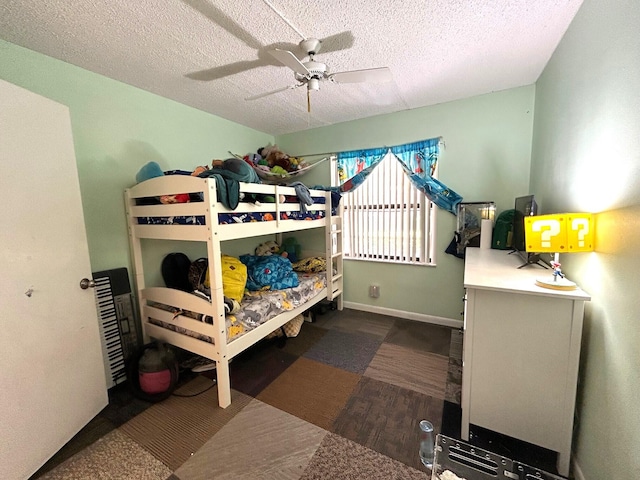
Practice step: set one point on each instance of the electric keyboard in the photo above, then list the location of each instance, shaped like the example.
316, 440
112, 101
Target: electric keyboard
120, 332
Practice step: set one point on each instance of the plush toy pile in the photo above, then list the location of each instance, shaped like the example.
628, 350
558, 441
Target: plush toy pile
271, 159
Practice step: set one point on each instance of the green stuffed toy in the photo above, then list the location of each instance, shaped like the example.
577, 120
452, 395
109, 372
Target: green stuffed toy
292, 248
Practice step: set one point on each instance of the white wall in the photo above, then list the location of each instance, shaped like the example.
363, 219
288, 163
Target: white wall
486, 158
586, 156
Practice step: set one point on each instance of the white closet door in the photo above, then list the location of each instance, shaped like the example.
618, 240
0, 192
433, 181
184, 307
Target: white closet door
51, 367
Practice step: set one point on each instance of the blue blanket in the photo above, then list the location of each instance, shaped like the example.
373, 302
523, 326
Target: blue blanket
228, 177
269, 271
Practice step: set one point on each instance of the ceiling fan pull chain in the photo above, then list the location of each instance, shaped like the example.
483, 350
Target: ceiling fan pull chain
284, 18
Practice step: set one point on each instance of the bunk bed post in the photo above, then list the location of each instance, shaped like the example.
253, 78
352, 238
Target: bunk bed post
214, 255
138, 266
340, 263
333, 252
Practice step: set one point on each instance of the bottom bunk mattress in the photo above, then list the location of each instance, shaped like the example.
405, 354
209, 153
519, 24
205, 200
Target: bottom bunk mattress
256, 308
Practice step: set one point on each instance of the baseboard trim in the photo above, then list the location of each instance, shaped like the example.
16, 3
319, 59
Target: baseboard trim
577, 471
420, 317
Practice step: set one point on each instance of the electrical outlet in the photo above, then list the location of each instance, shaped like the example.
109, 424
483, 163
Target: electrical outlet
374, 291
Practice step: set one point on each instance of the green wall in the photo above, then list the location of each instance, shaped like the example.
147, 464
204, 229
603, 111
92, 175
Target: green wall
586, 156
117, 129
486, 157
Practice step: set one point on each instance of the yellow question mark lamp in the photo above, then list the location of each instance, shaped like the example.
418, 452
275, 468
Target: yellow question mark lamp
559, 233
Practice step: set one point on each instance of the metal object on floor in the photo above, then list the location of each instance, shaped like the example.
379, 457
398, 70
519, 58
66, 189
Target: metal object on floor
465, 461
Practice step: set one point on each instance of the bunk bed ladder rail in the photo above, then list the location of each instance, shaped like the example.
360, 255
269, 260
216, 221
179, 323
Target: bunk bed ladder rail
333, 245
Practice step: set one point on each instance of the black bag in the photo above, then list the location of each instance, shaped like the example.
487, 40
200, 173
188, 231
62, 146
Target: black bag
175, 271
452, 248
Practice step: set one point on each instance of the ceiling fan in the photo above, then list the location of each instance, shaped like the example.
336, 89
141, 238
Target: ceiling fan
311, 73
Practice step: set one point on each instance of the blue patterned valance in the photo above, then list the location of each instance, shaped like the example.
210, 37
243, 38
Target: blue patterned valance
418, 161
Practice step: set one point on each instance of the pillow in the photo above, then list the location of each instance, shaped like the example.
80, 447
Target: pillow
150, 170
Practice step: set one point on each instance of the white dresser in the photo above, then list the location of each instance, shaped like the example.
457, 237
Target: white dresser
521, 352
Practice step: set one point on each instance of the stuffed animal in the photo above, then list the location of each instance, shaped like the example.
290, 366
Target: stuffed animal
278, 170
274, 157
267, 248
252, 158
265, 151
291, 248
178, 198
279, 159
198, 170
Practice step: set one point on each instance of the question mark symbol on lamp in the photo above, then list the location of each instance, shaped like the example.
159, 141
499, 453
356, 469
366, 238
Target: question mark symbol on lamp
549, 228
581, 225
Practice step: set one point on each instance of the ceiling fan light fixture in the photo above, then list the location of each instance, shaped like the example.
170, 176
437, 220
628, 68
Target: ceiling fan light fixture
316, 69
314, 84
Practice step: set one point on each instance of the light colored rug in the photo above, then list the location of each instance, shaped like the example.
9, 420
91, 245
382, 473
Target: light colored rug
113, 457
340, 459
260, 443
423, 372
177, 427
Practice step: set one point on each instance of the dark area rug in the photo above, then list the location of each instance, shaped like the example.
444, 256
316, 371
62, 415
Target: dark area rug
309, 335
349, 351
256, 368
385, 418
420, 336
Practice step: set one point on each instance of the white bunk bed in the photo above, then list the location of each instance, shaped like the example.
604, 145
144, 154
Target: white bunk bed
212, 232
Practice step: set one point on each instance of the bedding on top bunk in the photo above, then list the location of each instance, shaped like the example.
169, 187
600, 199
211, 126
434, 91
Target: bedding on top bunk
231, 218
240, 216
256, 307
228, 174
227, 182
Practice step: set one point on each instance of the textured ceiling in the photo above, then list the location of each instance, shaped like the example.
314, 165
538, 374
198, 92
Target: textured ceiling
212, 54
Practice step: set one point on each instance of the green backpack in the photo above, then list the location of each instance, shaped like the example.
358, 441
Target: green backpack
503, 230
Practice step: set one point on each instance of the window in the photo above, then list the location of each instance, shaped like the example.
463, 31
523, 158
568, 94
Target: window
387, 219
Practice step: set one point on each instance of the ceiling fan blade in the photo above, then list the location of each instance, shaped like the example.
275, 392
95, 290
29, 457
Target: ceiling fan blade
373, 75
290, 60
266, 94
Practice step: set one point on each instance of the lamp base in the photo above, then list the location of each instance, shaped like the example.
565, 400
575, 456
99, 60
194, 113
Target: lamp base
556, 283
